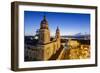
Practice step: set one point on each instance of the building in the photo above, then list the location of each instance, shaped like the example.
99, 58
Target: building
46, 46
76, 49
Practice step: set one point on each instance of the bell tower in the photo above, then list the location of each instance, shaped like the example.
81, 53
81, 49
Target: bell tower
58, 37
57, 33
44, 33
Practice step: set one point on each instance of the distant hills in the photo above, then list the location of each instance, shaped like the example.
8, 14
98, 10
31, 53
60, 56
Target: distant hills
77, 36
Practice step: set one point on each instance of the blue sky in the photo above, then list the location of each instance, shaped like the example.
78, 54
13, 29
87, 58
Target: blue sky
68, 23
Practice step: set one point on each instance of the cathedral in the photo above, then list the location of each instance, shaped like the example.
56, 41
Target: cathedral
46, 45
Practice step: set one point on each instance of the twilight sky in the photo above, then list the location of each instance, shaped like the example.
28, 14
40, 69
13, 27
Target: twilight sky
68, 23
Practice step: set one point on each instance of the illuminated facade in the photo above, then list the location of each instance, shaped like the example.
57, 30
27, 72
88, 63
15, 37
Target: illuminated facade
45, 47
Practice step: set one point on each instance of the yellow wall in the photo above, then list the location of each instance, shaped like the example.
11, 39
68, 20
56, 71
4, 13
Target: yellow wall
49, 49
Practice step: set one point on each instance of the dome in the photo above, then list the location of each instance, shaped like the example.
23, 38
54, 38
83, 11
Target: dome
44, 23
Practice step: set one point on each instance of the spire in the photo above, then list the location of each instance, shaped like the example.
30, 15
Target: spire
57, 28
44, 23
44, 17
57, 32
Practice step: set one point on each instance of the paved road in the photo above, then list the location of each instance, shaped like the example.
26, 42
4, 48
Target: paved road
56, 55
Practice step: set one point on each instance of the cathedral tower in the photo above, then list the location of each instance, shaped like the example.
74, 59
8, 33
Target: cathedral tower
58, 38
57, 33
44, 33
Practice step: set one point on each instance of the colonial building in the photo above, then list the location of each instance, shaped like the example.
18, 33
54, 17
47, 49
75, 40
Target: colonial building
45, 46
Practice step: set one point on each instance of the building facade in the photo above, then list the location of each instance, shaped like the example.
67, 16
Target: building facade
46, 46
